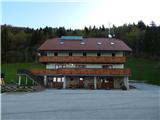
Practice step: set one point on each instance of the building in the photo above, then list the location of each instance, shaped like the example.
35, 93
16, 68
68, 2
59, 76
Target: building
77, 62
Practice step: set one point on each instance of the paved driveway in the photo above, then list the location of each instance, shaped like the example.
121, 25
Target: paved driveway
142, 103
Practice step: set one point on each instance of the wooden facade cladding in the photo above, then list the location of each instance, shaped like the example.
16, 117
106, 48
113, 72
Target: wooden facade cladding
81, 59
82, 71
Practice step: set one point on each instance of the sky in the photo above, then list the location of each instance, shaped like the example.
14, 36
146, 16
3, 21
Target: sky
76, 14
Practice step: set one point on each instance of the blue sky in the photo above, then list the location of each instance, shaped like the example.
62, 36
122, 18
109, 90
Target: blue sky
77, 13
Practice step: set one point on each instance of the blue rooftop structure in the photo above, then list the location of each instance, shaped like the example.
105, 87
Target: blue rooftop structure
71, 38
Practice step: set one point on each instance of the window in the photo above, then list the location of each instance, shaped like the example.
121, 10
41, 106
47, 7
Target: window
106, 81
55, 54
80, 66
82, 43
84, 54
113, 54
70, 54
61, 66
112, 43
106, 66
61, 43
98, 54
99, 43
54, 79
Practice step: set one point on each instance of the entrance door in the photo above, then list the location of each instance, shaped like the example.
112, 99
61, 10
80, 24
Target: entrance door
55, 83
81, 82
107, 83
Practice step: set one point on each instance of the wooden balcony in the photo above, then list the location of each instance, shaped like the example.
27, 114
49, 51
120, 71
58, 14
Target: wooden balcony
82, 71
81, 59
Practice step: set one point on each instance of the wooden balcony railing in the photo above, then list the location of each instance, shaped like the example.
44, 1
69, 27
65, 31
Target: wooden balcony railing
82, 59
81, 71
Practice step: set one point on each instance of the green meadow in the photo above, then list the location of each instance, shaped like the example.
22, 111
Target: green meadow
10, 70
142, 69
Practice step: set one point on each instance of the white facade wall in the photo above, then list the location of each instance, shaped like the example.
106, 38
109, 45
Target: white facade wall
70, 66
50, 66
77, 54
63, 54
54, 66
50, 53
118, 65
93, 66
119, 54
91, 54
88, 54
106, 54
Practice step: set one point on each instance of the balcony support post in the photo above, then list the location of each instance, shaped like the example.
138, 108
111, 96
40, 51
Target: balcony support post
26, 80
32, 82
126, 83
45, 80
19, 80
95, 82
64, 82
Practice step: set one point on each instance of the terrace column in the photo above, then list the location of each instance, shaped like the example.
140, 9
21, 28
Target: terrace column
126, 83
45, 80
26, 80
95, 82
32, 82
64, 82
19, 82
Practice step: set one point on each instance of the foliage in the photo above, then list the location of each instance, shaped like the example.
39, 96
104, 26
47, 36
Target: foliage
144, 69
20, 44
10, 70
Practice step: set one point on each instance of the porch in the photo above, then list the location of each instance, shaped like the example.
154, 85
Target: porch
81, 82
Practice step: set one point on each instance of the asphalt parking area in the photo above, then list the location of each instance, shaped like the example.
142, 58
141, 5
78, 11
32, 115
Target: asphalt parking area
142, 103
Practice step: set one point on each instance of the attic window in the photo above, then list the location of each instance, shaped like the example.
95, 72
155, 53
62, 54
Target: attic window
99, 43
82, 43
61, 42
112, 43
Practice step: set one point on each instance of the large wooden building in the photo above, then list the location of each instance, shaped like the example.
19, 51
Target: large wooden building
77, 62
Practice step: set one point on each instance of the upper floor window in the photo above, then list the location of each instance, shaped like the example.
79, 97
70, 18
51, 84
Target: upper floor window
80, 66
106, 66
55, 54
84, 54
60, 66
113, 54
70, 54
98, 54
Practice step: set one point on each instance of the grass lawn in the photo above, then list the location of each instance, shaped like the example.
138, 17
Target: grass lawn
10, 70
142, 69
145, 70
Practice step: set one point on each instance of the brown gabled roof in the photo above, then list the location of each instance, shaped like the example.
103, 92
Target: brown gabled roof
110, 44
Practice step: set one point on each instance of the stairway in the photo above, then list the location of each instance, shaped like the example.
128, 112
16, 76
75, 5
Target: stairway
36, 79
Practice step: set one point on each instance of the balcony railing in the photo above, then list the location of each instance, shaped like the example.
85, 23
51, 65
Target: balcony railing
81, 59
81, 71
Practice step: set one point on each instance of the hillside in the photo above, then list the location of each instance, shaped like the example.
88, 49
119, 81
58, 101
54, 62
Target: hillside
142, 69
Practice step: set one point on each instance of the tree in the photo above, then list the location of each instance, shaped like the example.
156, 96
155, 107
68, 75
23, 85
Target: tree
135, 40
152, 40
141, 25
60, 31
